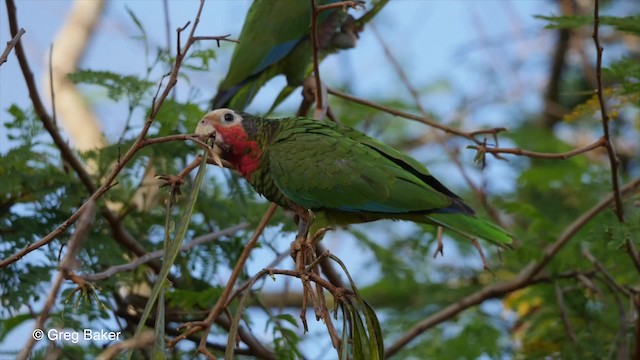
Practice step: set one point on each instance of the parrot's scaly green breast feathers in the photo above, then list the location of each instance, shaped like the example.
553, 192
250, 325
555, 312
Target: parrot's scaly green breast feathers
330, 168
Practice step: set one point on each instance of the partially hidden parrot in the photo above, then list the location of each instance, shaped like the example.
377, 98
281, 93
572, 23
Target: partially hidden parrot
339, 174
275, 39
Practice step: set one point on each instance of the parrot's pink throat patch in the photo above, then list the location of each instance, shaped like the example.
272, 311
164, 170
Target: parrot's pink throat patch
245, 153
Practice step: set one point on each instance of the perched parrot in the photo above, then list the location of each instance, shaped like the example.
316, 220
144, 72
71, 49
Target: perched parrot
340, 174
275, 40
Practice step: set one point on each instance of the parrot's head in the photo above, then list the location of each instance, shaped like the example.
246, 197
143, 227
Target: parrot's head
235, 137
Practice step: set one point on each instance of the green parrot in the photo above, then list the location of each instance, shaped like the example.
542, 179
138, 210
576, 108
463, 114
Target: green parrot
339, 174
275, 40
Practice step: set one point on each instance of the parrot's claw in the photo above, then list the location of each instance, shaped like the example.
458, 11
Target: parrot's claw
173, 182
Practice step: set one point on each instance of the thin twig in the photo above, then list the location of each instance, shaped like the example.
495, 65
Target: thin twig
10, 45
316, 62
539, 155
78, 238
607, 276
605, 117
525, 278
633, 253
141, 341
422, 119
563, 314
159, 253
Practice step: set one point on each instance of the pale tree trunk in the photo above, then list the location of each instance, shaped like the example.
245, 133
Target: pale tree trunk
73, 112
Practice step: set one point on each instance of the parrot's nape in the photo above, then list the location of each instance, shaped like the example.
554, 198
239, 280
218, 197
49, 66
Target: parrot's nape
340, 174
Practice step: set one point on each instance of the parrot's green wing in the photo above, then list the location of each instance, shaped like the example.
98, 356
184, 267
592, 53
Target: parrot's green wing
271, 31
323, 166
275, 40
320, 165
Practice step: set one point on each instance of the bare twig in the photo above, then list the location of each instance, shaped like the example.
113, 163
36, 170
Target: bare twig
316, 62
10, 45
563, 314
525, 278
422, 119
141, 341
539, 155
78, 238
607, 276
605, 117
159, 253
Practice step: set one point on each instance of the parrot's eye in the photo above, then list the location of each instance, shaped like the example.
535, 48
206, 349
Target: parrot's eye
228, 117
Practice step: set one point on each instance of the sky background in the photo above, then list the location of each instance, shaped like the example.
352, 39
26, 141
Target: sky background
462, 42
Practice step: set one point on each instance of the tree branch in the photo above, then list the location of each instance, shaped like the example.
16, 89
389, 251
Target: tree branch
10, 45
316, 66
78, 238
525, 278
422, 119
539, 155
605, 117
159, 253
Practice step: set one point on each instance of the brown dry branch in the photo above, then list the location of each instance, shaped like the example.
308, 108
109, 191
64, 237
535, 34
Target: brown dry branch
525, 278
616, 290
75, 243
607, 276
425, 120
564, 315
318, 113
482, 149
10, 45
141, 341
321, 103
120, 233
613, 160
633, 253
219, 306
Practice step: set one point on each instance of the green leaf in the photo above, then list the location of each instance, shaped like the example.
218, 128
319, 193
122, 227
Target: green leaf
629, 24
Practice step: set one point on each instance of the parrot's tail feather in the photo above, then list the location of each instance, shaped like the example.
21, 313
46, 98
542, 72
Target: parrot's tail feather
472, 227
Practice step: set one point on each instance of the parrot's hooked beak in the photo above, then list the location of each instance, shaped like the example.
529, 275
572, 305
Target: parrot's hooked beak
207, 131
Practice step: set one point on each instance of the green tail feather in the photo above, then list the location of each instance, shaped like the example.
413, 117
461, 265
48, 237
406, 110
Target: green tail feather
472, 227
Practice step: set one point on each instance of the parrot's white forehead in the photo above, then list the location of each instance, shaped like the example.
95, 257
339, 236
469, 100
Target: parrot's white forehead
218, 114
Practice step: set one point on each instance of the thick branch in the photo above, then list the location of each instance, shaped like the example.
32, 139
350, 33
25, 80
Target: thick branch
316, 66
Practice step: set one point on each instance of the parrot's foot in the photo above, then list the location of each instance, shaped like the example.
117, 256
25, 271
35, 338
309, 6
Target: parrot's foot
310, 93
173, 182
